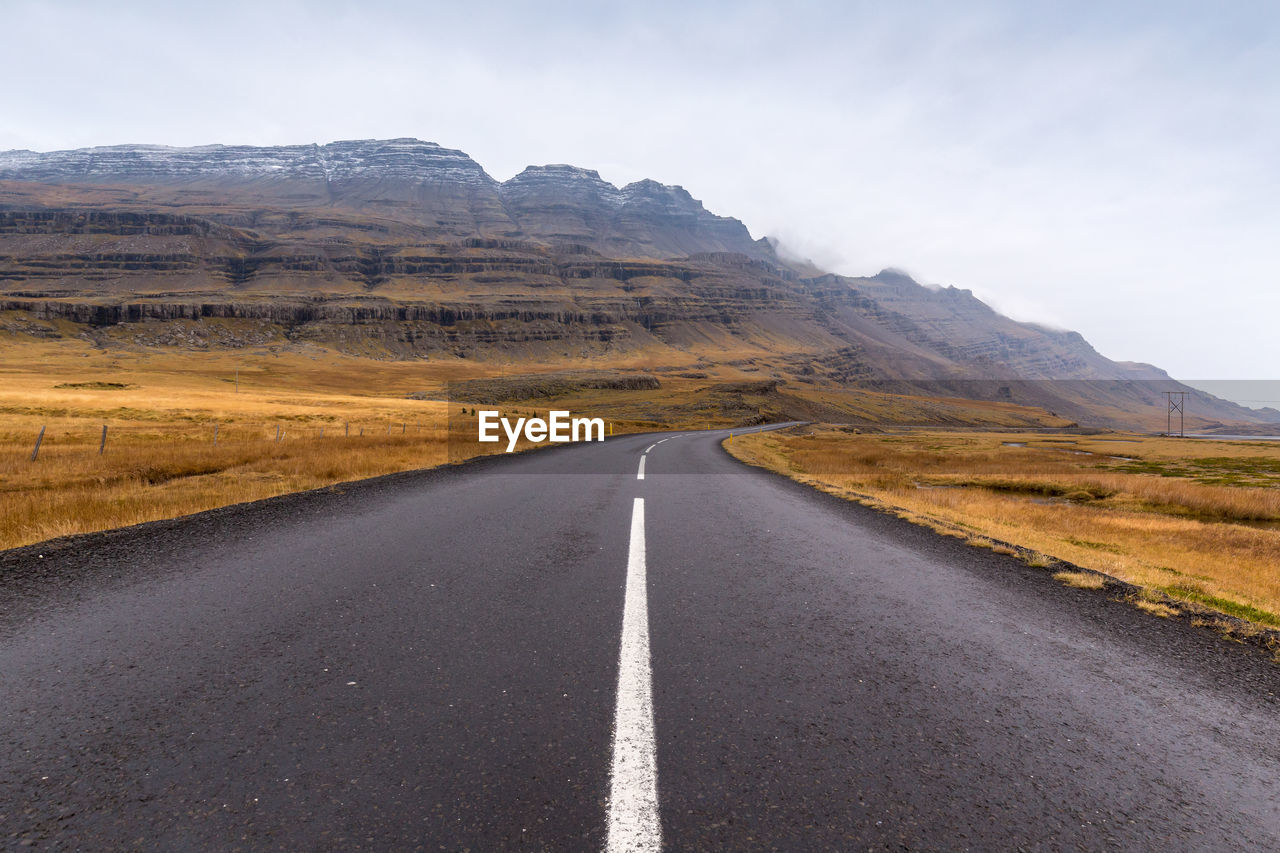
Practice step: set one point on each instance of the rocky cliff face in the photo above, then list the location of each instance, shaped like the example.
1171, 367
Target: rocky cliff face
404, 159
421, 183
410, 249
642, 219
437, 191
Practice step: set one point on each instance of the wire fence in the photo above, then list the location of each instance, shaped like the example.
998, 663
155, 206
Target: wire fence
104, 439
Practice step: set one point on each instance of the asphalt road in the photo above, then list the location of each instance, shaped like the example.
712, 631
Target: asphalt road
432, 661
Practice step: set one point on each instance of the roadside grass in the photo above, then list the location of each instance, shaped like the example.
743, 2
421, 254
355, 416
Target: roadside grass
68, 492
286, 418
1080, 580
1155, 608
160, 458
1064, 498
296, 422
291, 414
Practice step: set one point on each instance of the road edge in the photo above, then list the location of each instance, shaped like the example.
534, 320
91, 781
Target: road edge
1195, 615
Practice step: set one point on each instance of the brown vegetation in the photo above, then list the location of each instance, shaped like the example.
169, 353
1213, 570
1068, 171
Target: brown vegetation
192, 431
1198, 521
289, 416
1081, 580
160, 458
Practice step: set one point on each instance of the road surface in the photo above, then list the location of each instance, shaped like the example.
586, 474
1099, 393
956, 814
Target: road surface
564, 651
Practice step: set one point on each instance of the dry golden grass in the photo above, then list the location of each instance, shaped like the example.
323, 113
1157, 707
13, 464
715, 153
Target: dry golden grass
1151, 518
1080, 580
1155, 608
142, 478
160, 458
338, 419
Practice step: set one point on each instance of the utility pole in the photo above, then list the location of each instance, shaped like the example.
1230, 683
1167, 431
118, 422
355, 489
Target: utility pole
1177, 403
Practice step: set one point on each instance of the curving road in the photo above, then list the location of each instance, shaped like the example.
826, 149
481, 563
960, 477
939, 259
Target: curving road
441, 661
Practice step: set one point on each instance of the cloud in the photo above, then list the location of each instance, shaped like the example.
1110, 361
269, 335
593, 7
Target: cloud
1104, 167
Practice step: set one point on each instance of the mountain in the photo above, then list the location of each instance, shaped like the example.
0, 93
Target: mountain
643, 219
443, 192
405, 249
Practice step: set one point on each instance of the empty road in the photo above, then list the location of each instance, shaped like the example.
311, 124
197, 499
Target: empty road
627, 645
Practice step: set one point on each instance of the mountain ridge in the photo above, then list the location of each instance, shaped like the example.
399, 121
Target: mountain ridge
408, 249
372, 173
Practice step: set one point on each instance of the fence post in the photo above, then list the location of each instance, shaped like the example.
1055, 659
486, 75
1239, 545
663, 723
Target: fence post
346, 429
402, 428
103, 444
277, 432
39, 438
322, 432
215, 435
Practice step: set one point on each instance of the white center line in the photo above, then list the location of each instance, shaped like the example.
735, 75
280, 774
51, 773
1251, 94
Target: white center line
651, 447
633, 779
640, 473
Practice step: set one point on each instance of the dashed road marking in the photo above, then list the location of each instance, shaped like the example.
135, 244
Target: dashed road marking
640, 473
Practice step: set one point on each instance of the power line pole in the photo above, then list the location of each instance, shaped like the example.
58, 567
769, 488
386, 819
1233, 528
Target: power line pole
1177, 403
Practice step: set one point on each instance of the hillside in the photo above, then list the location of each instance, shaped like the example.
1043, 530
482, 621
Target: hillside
405, 250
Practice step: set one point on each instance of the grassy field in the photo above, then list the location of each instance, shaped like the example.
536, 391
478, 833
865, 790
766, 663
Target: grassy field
1196, 520
278, 433
193, 426
190, 431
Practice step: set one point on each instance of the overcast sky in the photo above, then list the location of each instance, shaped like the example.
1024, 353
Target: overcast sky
1111, 167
